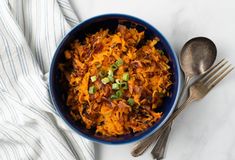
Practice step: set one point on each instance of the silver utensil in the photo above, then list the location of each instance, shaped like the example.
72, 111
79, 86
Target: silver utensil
197, 56
158, 151
196, 91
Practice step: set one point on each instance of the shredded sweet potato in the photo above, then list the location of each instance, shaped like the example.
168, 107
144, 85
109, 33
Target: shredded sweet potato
116, 82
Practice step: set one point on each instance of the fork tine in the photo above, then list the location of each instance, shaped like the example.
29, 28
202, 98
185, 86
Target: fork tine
216, 65
224, 74
213, 70
204, 75
217, 75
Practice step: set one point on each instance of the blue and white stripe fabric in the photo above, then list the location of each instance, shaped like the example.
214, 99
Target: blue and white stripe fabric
30, 128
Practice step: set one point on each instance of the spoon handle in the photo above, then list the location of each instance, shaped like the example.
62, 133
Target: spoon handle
142, 145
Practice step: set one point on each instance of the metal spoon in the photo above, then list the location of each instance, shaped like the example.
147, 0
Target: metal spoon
197, 56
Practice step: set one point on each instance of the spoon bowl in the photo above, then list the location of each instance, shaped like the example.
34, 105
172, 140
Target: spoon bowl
197, 56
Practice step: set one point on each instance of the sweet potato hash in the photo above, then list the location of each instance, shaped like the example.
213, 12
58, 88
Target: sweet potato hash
116, 81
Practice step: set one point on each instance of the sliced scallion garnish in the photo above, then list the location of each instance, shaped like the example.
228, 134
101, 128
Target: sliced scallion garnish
119, 93
102, 74
105, 80
119, 62
110, 73
92, 90
93, 78
114, 67
124, 85
118, 81
111, 79
113, 96
131, 101
115, 86
125, 76
161, 52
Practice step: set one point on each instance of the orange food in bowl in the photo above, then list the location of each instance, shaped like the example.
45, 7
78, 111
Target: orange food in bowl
116, 81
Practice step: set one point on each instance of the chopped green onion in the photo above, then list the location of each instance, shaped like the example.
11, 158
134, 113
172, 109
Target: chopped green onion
125, 76
131, 101
113, 96
114, 67
110, 73
124, 85
92, 90
118, 81
115, 86
119, 93
111, 78
161, 52
102, 74
93, 78
105, 80
119, 62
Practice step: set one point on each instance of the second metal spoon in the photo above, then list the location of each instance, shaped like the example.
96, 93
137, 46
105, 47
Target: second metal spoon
197, 56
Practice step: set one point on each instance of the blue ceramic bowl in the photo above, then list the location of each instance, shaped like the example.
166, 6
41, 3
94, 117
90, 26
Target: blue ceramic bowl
91, 26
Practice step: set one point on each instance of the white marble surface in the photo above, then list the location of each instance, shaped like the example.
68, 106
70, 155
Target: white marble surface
206, 129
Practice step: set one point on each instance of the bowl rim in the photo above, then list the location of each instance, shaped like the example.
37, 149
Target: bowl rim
57, 51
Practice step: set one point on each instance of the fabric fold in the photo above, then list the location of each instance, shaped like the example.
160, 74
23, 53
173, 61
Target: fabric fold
29, 125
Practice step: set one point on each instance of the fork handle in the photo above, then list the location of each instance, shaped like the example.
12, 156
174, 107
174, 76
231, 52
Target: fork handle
142, 145
158, 151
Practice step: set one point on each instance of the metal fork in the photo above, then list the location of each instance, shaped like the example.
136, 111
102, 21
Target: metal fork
197, 91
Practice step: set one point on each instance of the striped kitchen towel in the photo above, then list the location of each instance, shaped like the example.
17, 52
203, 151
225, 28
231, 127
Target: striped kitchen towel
29, 126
